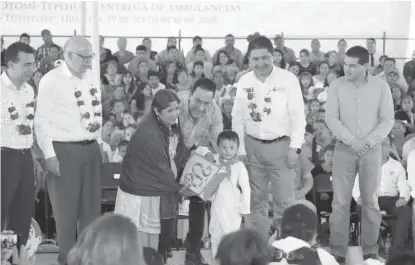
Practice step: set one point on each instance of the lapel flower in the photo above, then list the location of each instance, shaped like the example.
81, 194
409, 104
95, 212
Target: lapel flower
250, 95
80, 103
93, 91
95, 102
14, 116
78, 94
30, 105
11, 109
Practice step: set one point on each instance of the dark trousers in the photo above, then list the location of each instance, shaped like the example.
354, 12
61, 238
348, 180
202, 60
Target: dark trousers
17, 191
75, 194
196, 224
400, 227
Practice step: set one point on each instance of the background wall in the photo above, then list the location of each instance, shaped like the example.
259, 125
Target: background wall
338, 19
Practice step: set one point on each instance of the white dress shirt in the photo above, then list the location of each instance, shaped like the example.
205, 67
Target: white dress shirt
411, 171
376, 57
287, 108
10, 136
57, 116
393, 181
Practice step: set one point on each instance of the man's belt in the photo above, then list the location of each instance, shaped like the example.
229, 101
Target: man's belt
84, 142
22, 151
270, 141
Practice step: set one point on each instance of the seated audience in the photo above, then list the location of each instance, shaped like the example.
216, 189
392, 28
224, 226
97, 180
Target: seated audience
129, 130
154, 81
394, 195
120, 152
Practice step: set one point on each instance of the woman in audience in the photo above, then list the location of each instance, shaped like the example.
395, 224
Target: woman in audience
107, 130
169, 78
35, 80
127, 119
320, 78
111, 73
313, 113
141, 99
297, 244
142, 74
333, 62
306, 82
221, 61
243, 247
110, 239
149, 192
279, 60
397, 97
379, 68
219, 82
130, 87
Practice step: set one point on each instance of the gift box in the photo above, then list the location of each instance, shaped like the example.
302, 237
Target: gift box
201, 176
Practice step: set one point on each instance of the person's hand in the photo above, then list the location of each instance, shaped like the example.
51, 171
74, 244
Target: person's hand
324, 196
359, 201
401, 202
185, 192
360, 146
292, 158
52, 165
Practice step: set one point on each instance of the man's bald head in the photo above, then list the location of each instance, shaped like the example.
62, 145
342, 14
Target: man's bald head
122, 43
78, 44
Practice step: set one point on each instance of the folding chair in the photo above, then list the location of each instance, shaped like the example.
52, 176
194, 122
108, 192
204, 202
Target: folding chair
110, 176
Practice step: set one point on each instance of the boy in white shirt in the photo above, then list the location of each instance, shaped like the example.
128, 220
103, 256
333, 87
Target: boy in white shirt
154, 81
393, 196
232, 200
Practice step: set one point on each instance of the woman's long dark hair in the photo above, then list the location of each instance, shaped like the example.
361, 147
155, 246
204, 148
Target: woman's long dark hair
218, 56
283, 63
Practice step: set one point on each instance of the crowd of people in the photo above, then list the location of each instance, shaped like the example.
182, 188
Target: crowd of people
276, 125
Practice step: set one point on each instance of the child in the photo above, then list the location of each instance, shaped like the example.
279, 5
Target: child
325, 167
154, 81
231, 201
118, 109
398, 132
121, 150
405, 114
197, 72
307, 148
313, 115
183, 86
295, 69
128, 119
129, 131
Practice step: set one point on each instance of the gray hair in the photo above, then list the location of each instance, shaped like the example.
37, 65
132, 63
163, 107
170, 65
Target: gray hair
109, 240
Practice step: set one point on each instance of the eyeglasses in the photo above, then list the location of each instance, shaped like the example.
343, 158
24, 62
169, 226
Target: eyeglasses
86, 59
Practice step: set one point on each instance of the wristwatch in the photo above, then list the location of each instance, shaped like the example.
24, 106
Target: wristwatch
297, 150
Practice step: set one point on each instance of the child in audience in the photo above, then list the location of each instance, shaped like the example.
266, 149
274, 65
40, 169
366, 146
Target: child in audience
107, 130
306, 81
232, 199
118, 109
116, 138
325, 167
313, 114
128, 119
121, 150
129, 131
141, 101
130, 87
106, 152
295, 69
197, 72
183, 84
405, 114
154, 81
307, 149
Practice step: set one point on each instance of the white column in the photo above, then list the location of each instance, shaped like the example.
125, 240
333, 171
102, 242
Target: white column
95, 41
411, 43
83, 19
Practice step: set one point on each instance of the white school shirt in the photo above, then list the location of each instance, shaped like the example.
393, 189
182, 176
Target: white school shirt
57, 115
159, 87
228, 194
287, 108
411, 171
393, 181
10, 136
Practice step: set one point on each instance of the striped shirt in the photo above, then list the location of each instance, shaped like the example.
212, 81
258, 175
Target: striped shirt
19, 97
362, 111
